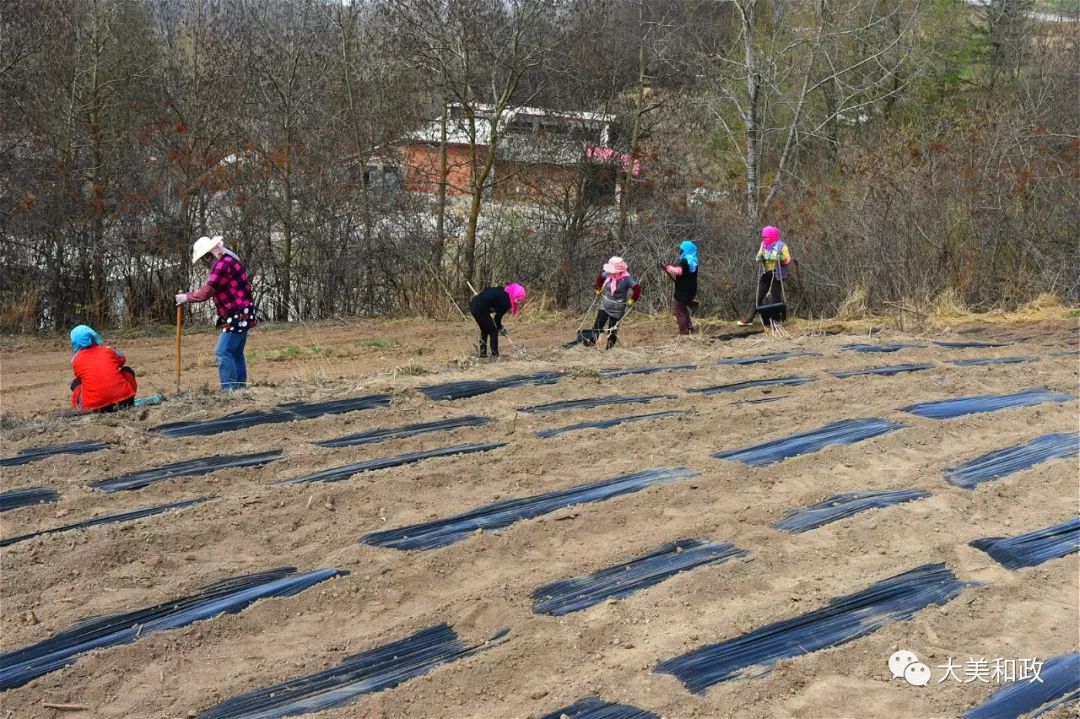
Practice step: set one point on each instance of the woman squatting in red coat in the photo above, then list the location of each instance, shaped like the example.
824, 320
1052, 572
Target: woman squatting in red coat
102, 383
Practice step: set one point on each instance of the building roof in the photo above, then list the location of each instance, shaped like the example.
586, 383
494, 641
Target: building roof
457, 128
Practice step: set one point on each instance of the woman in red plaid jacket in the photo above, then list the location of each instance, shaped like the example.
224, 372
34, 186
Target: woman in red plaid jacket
230, 289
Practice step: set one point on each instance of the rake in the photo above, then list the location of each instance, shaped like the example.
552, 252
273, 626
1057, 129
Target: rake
614, 328
519, 352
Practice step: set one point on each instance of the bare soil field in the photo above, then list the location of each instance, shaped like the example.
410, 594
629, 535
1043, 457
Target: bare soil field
485, 582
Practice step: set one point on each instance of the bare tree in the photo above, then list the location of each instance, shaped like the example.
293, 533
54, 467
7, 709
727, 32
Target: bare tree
482, 50
1008, 25
626, 197
127, 128
771, 73
290, 58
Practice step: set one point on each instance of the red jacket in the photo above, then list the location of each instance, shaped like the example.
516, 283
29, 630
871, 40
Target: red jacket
101, 383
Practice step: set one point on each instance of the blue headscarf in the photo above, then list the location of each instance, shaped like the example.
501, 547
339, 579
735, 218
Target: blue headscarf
83, 337
688, 252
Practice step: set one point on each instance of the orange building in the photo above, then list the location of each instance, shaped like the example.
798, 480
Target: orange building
539, 152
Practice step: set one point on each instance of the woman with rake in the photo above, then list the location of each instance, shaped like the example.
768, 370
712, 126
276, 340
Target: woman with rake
618, 290
230, 289
774, 257
684, 275
488, 307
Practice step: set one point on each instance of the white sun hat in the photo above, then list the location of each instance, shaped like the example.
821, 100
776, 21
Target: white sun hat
204, 245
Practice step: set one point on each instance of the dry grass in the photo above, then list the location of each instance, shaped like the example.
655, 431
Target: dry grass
947, 306
856, 306
1043, 307
824, 326
375, 344
202, 361
19, 311
1045, 301
412, 369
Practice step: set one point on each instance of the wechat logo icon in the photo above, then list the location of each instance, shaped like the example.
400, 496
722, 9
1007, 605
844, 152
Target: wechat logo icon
904, 664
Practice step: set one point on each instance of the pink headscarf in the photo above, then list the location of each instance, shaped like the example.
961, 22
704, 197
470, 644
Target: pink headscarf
517, 297
616, 268
770, 236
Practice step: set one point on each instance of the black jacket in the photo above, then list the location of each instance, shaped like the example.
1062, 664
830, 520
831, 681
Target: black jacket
686, 283
493, 300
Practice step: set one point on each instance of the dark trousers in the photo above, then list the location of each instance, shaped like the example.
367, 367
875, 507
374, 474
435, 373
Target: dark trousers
489, 333
603, 318
682, 316
768, 283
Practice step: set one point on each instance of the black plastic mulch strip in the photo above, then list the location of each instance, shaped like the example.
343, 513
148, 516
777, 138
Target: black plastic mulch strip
968, 345
1003, 462
25, 456
109, 519
337, 474
972, 330
758, 359
728, 336
1058, 684
842, 620
840, 506
886, 370
843, 432
443, 532
228, 596
472, 388
597, 708
949, 408
590, 402
407, 430
30, 496
761, 400
983, 361
608, 423
1067, 353
1033, 548
645, 370
289, 412
189, 468
884, 347
735, 387
372, 671
622, 580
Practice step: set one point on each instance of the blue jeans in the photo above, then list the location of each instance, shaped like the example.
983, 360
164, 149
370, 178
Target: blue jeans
232, 369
